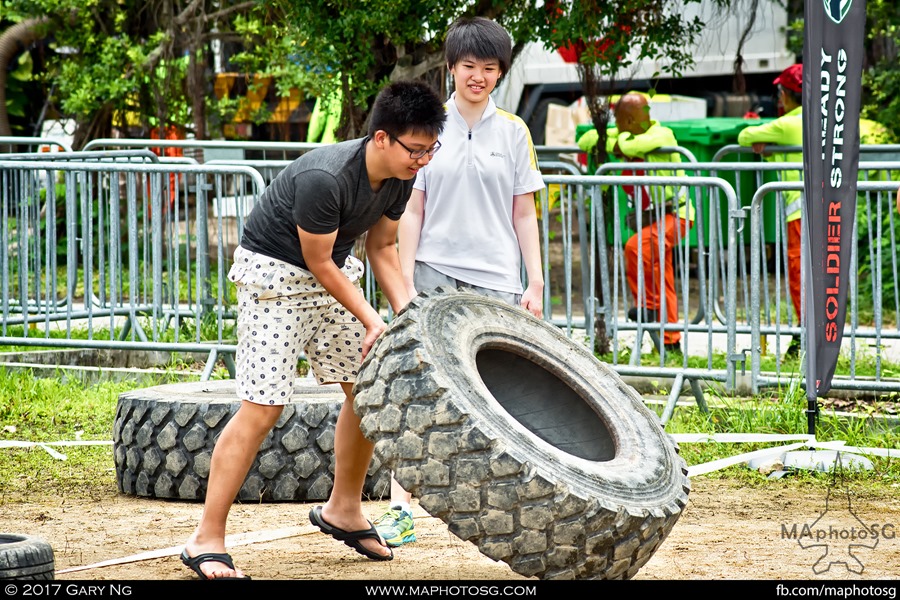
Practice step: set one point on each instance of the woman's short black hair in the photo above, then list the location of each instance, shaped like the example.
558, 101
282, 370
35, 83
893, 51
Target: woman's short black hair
479, 38
407, 107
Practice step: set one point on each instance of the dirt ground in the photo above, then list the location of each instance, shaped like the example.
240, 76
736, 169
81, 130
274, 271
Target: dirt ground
726, 532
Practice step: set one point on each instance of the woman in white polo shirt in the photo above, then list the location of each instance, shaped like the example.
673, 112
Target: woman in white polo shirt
471, 221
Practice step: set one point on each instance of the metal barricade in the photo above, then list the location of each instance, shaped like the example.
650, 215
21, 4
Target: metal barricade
267, 168
124, 253
572, 203
554, 153
573, 199
108, 155
868, 152
711, 252
763, 322
108, 252
206, 150
613, 287
877, 163
717, 211
9, 142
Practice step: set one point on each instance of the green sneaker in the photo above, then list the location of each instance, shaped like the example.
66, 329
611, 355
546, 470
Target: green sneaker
396, 527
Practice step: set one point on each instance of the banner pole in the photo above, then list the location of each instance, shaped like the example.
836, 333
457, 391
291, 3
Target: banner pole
812, 415
833, 49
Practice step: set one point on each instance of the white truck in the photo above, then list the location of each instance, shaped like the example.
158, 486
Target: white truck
539, 78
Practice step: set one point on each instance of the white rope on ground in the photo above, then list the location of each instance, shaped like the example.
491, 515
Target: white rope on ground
810, 442
737, 438
723, 463
885, 452
740, 437
239, 539
51, 451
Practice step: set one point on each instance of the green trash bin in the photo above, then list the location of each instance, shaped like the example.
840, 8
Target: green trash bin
704, 138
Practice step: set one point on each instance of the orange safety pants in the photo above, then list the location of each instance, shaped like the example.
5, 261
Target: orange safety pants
649, 236
793, 259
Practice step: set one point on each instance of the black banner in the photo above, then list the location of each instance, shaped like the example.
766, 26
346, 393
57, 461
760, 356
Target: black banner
832, 74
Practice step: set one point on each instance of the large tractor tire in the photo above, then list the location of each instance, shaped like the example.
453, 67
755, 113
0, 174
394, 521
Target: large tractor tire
25, 557
163, 439
520, 439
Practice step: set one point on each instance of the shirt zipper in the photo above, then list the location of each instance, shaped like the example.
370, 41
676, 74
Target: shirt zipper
471, 161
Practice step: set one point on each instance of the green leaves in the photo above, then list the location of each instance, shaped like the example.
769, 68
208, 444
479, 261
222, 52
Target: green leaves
131, 56
612, 36
16, 100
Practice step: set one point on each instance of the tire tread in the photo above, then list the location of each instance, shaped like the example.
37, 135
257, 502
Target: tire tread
462, 472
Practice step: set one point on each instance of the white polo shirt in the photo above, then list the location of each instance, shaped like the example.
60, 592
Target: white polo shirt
467, 231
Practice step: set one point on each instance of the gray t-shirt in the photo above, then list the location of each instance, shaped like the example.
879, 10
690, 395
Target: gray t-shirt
324, 190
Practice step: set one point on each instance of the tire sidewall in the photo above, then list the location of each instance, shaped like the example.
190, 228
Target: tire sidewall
455, 326
25, 557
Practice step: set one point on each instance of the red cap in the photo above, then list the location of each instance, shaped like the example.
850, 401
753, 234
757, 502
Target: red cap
791, 78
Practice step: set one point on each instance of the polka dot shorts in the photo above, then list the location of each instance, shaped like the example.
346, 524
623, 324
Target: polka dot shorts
283, 309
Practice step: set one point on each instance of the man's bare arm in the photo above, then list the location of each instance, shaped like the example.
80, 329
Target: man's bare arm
381, 250
410, 232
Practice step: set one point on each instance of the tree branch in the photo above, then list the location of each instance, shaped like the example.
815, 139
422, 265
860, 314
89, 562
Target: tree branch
404, 69
227, 11
225, 36
488, 8
740, 84
188, 11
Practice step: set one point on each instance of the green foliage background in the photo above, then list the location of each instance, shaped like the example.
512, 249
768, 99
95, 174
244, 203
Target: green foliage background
881, 78
150, 59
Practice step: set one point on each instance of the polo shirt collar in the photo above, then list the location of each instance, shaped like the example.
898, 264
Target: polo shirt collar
453, 111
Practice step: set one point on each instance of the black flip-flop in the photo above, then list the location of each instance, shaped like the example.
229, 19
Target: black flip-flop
351, 538
194, 563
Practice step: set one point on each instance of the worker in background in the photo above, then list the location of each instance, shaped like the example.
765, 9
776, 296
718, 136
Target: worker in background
786, 130
665, 211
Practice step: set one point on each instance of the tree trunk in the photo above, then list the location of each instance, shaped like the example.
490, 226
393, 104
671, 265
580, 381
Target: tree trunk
197, 91
16, 38
100, 126
598, 104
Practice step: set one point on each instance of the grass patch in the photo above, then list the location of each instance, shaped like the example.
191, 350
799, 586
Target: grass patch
47, 409
783, 412
182, 281
866, 363
87, 472
35, 409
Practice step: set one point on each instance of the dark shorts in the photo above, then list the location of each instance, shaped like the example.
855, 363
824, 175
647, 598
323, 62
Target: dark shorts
427, 278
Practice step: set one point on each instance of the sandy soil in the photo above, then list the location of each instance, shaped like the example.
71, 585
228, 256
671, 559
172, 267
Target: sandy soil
726, 532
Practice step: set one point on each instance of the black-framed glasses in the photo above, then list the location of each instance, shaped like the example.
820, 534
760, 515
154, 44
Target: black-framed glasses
417, 154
